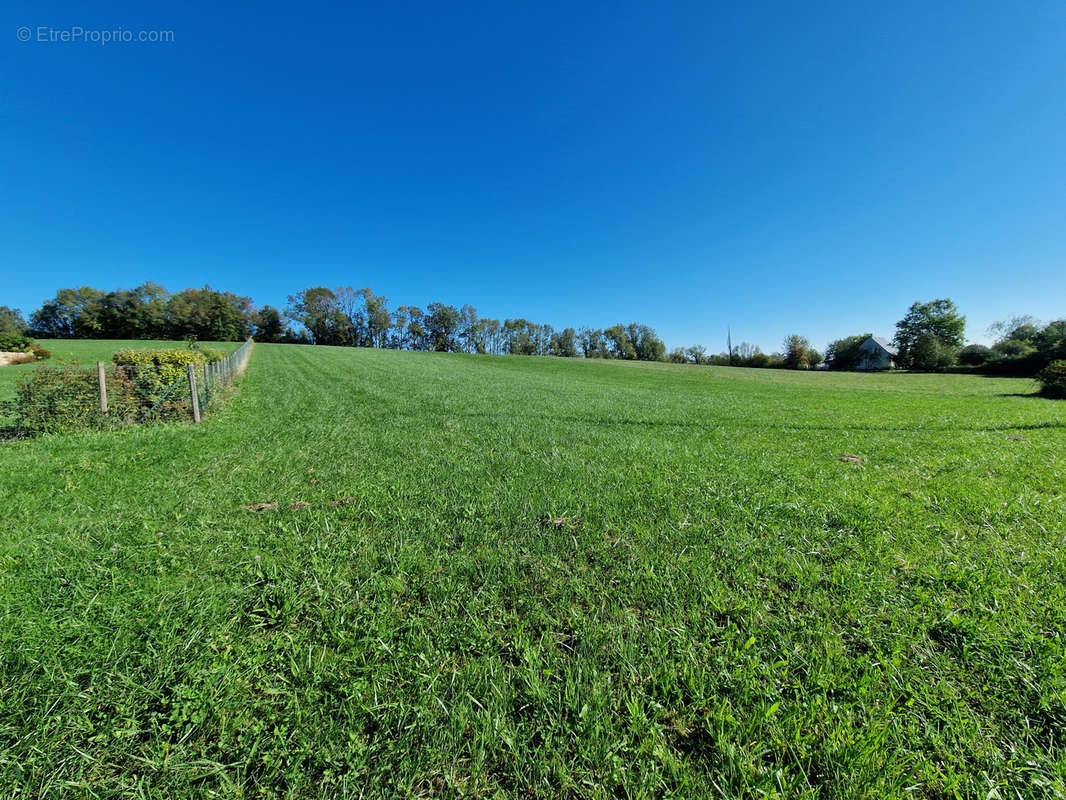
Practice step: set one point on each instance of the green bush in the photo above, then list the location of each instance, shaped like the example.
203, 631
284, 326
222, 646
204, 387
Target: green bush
15, 343
169, 364
54, 400
40, 353
1014, 348
1053, 379
143, 383
152, 373
63, 399
974, 355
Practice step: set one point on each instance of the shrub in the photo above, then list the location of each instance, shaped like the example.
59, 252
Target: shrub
62, 399
169, 364
15, 343
153, 372
1053, 379
52, 400
1014, 348
40, 353
974, 355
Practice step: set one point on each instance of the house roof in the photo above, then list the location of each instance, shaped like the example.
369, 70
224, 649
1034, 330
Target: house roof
888, 347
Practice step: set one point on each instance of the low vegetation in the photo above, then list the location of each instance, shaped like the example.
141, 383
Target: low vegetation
1053, 379
65, 397
383, 574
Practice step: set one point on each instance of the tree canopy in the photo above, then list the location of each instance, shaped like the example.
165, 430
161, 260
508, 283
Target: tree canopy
930, 333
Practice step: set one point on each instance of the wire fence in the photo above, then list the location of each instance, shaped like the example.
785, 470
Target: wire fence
56, 399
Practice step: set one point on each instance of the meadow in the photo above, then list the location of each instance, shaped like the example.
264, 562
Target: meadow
391, 574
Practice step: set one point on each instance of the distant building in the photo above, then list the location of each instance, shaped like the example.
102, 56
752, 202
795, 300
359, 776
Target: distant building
877, 353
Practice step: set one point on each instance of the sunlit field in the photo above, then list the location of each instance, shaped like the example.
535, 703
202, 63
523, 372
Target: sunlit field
392, 574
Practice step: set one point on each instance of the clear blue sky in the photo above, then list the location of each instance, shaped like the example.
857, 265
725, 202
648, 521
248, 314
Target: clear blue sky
778, 168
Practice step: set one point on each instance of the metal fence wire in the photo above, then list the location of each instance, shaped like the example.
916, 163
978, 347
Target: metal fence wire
53, 399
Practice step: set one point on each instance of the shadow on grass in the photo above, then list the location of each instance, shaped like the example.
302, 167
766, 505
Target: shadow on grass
1029, 395
734, 424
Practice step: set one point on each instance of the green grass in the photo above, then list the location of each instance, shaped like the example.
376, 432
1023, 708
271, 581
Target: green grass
730, 610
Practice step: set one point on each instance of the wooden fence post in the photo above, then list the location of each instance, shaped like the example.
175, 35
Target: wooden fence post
193, 399
102, 381
207, 388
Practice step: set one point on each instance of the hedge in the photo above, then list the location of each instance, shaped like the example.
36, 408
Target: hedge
1053, 379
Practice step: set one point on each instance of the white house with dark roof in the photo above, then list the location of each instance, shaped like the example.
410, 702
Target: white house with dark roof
877, 353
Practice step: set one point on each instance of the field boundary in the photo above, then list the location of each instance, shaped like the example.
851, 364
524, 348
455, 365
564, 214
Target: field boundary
54, 399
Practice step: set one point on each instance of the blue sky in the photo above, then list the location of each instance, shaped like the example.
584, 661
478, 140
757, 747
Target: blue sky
776, 168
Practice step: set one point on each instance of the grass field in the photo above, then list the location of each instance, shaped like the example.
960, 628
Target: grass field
717, 604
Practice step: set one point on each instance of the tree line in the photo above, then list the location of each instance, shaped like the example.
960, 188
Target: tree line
929, 337
344, 316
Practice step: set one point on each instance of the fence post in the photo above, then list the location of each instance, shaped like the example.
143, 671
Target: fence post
207, 388
193, 399
102, 381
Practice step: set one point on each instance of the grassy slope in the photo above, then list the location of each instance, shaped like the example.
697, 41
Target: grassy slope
737, 610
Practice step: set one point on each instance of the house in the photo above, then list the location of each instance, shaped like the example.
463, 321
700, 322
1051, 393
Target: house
877, 353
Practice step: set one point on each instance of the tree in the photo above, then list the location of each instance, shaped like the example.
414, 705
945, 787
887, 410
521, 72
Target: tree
744, 351
618, 343
814, 358
349, 301
417, 334
563, 343
11, 322
270, 326
318, 311
1014, 348
146, 312
937, 318
845, 353
697, 354
520, 337
928, 352
1022, 327
1051, 343
797, 352
442, 327
210, 315
72, 313
492, 331
367, 316
471, 331
378, 319
592, 343
646, 343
